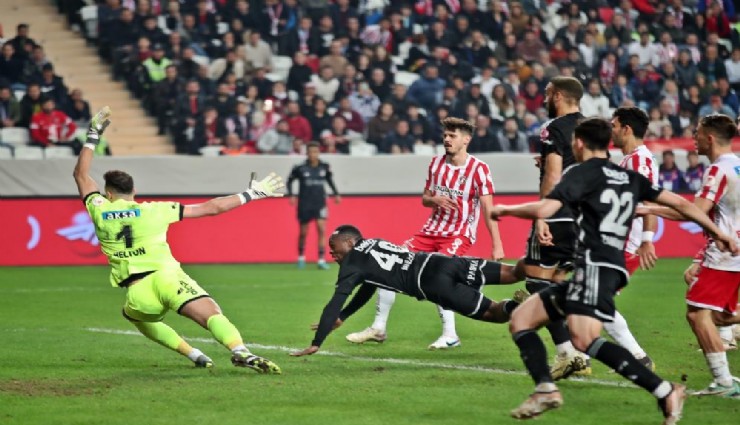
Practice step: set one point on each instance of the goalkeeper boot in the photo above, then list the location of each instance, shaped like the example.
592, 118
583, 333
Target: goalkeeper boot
368, 334
203, 361
538, 403
256, 363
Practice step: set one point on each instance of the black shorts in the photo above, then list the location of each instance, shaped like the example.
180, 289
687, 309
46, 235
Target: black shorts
560, 255
455, 283
307, 214
590, 292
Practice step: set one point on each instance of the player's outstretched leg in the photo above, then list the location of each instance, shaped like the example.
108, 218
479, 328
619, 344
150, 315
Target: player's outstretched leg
449, 338
166, 336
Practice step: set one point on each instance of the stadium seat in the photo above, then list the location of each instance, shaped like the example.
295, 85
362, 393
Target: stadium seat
406, 78
210, 150
362, 149
202, 60
53, 152
162, 24
275, 77
222, 28
29, 152
89, 15
397, 60
422, 149
5, 153
15, 135
403, 50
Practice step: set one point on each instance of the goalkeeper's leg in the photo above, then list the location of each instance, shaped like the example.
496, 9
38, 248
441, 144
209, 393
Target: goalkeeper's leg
166, 336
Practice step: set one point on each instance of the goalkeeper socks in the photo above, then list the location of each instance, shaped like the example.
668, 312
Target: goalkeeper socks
194, 354
620, 332
224, 331
164, 335
383, 309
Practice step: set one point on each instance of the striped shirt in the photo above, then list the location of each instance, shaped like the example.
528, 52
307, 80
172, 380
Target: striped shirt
721, 187
465, 185
642, 161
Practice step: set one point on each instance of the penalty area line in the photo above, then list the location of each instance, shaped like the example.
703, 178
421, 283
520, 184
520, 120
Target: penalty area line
387, 360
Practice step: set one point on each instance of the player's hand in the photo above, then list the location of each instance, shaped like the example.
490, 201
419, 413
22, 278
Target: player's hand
444, 202
293, 200
98, 124
538, 161
338, 323
498, 253
337, 199
726, 244
690, 274
305, 352
266, 188
647, 255
542, 230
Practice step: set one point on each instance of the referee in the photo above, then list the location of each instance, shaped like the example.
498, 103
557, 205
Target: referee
311, 199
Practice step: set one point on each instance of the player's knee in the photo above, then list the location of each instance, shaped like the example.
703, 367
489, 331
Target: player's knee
694, 317
721, 319
519, 322
581, 342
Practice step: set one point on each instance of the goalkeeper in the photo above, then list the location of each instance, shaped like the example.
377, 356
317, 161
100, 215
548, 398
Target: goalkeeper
134, 238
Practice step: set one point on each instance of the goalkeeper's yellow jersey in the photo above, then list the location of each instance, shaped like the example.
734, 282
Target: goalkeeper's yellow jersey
133, 235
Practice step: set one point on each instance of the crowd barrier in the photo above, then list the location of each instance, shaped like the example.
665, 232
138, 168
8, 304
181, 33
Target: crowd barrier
59, 231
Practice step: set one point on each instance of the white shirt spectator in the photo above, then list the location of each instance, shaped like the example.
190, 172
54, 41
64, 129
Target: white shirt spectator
666, 53
595, 105
326, 89
733, 70
365, 102
258, 55
646, 52
487, 85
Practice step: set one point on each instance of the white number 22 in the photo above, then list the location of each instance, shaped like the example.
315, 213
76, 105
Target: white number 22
620, 212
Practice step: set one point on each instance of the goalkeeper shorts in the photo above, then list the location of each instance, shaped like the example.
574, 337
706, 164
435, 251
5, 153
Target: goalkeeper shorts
149, 299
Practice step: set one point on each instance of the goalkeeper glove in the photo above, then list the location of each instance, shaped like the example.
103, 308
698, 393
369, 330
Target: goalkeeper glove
265, 188
98, 124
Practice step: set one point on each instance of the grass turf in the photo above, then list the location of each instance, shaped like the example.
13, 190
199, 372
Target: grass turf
56, 370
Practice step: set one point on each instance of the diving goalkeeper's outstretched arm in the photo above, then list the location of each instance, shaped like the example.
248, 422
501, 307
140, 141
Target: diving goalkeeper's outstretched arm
85, 184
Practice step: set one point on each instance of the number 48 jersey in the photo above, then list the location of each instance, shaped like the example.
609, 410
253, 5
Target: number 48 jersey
603, 197
133, 235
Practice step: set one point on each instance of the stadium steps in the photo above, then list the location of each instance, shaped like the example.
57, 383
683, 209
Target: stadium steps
132, 131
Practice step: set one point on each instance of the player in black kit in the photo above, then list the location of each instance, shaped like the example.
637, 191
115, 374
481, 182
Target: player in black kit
453, 283
603, 197
551, 243
312, 175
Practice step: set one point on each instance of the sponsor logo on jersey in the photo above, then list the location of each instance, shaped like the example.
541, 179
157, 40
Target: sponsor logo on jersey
365, 244
98, 201
448, 191
615, 176
117, 215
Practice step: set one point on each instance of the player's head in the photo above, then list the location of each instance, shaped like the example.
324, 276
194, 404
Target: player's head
714, 131
456, 134
118, 184
312, 151
592, 134
562, 92
342, 240
627, 123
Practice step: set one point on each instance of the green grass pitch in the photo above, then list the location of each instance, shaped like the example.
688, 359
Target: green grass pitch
68, 357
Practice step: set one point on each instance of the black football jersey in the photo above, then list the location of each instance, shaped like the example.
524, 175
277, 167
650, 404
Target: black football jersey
311, 191
557, 138
603, 197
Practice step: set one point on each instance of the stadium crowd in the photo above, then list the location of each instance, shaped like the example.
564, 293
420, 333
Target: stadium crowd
213, 71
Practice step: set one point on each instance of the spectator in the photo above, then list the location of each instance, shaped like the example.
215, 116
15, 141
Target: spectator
278, 140
224, 102
365, 102
670, 177
299, 73
645, 50
165, 98
349, 81
32, 69
478, 52
588, 50
519, 20
475, 95
241, 12
338, 137
234, 146
10, 109
398, 100
618, 29
570, 35
193, 34
307, 97
694, 172
264, 120
381, 125
325, 34
656, 124
279, 97
189, 109
256, 53
427, 90
77, 109
728, 95
713, 67
123, 38
155, 67
11, 66
341, 12
692, 101
20, 41
151, 31
487, 81
398, 141
732, 66
715, 106
379, 84
353, 120
239, 123
644, 89
419, 126
30, 104
510, 138
484, 139
209, 131
381, 60
532, 97
298, 125
318, 117
335, 59
263, 84
230, 63
666, 50
326, 84
502, 106
593, 102
52, 126
188, 68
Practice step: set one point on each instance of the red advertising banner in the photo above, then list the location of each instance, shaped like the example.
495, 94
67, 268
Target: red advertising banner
59, 231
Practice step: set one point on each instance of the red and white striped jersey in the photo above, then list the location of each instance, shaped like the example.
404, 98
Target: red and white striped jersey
465, 184
721, 186
642, 161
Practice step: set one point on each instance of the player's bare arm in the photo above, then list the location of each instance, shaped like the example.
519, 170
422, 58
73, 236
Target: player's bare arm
551, 176
669, 213
542, 209
497, 249
430, 200
646, 250
85, 184
268, 187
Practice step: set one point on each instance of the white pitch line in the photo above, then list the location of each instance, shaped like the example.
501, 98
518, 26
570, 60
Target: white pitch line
390, 360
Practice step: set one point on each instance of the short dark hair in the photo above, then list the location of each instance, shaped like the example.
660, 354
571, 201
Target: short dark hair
119, 181
721, 126
595, 132
347, 231
633, 117
454, 123
570, 87
313, 144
